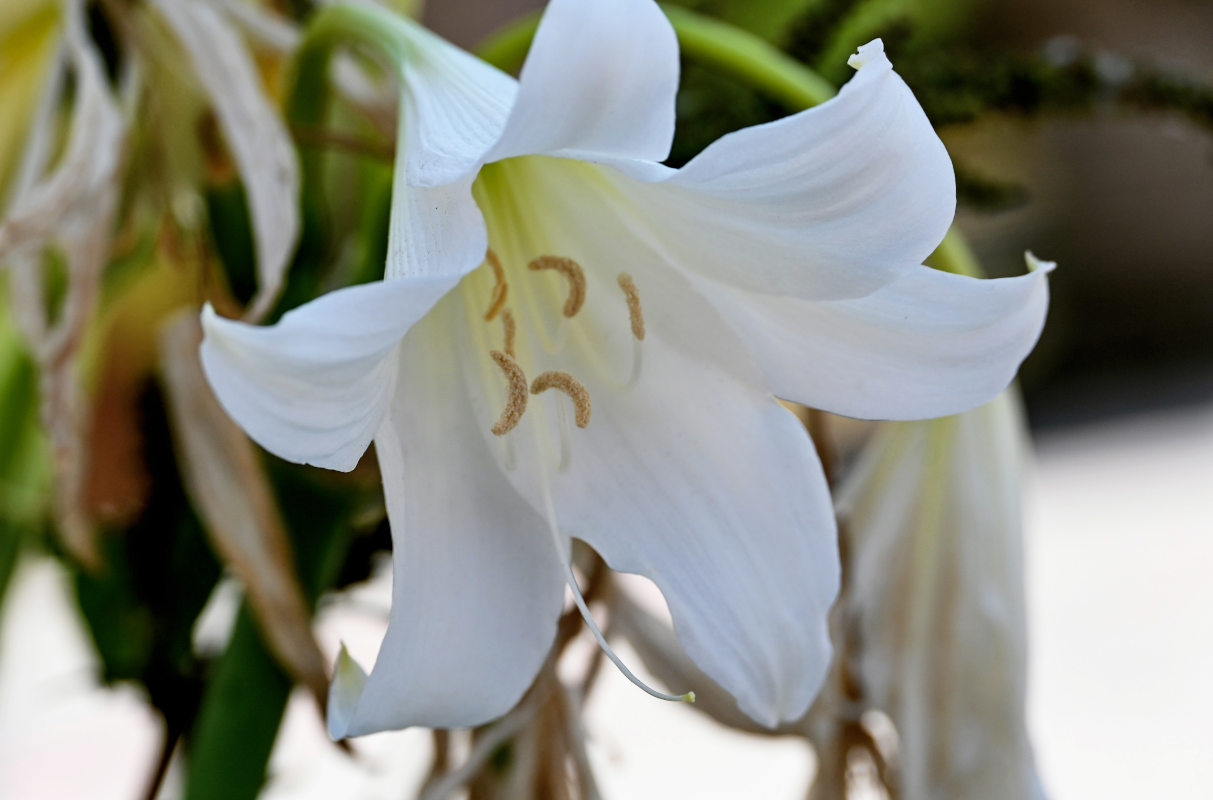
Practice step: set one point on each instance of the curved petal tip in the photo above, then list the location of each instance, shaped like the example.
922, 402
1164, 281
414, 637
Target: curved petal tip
1035, 264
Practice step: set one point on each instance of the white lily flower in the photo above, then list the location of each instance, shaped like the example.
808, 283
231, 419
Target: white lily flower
783, 260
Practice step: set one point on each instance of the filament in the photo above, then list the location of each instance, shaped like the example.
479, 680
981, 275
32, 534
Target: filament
500, 287
566, 441
507, 322
637, 363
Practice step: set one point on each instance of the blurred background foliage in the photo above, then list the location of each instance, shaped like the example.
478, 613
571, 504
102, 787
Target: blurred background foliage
1079, 129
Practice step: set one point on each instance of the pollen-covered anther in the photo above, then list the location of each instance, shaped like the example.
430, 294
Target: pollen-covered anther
500, 289
559, 379
507, 323
635, 312
515, 401
571, 270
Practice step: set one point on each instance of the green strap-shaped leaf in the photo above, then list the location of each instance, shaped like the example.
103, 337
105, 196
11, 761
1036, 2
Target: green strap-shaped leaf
244, 700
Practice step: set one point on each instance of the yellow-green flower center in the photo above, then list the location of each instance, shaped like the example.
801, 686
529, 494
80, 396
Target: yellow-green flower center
512, 300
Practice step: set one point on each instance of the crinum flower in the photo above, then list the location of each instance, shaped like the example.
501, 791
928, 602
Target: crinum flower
572, 340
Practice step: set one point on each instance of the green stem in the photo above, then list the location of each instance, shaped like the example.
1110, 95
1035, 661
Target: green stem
332, 26
366, 27
748, 58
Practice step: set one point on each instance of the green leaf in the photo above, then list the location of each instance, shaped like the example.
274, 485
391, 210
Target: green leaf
238, 720
141, 607
24, 464
232, 237
242, 708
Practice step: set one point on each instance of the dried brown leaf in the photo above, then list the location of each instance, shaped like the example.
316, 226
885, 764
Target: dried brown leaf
934, 605
74, 205
228, 487
42, 207
254, 132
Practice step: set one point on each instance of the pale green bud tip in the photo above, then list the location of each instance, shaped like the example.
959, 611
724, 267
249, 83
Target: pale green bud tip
348, 675
689, 697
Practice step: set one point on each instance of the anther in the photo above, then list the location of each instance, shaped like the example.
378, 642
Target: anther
635, 312
571, 270
515, 401
500, 288
559, 379
507, 322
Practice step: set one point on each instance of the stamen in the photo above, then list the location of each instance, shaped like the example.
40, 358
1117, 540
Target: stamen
515, 402
571, 270
507, 322
635, 312
559, 379
500, 288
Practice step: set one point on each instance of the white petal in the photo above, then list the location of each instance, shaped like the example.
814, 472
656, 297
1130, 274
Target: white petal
478, 588
314, 387
700, 481
252, 128
453, 109
433, 231
832, 202
599, 81
929, 344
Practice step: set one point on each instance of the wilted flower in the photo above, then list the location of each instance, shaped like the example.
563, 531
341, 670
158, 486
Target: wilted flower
73, 202
535, 245
936, 600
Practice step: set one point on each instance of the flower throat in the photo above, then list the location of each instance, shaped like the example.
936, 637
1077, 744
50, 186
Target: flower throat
506, 358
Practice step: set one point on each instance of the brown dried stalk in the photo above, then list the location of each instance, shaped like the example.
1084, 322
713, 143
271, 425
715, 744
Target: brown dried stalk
228, 486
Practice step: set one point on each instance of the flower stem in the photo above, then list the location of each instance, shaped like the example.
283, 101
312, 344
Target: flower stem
749, 58
369, 26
